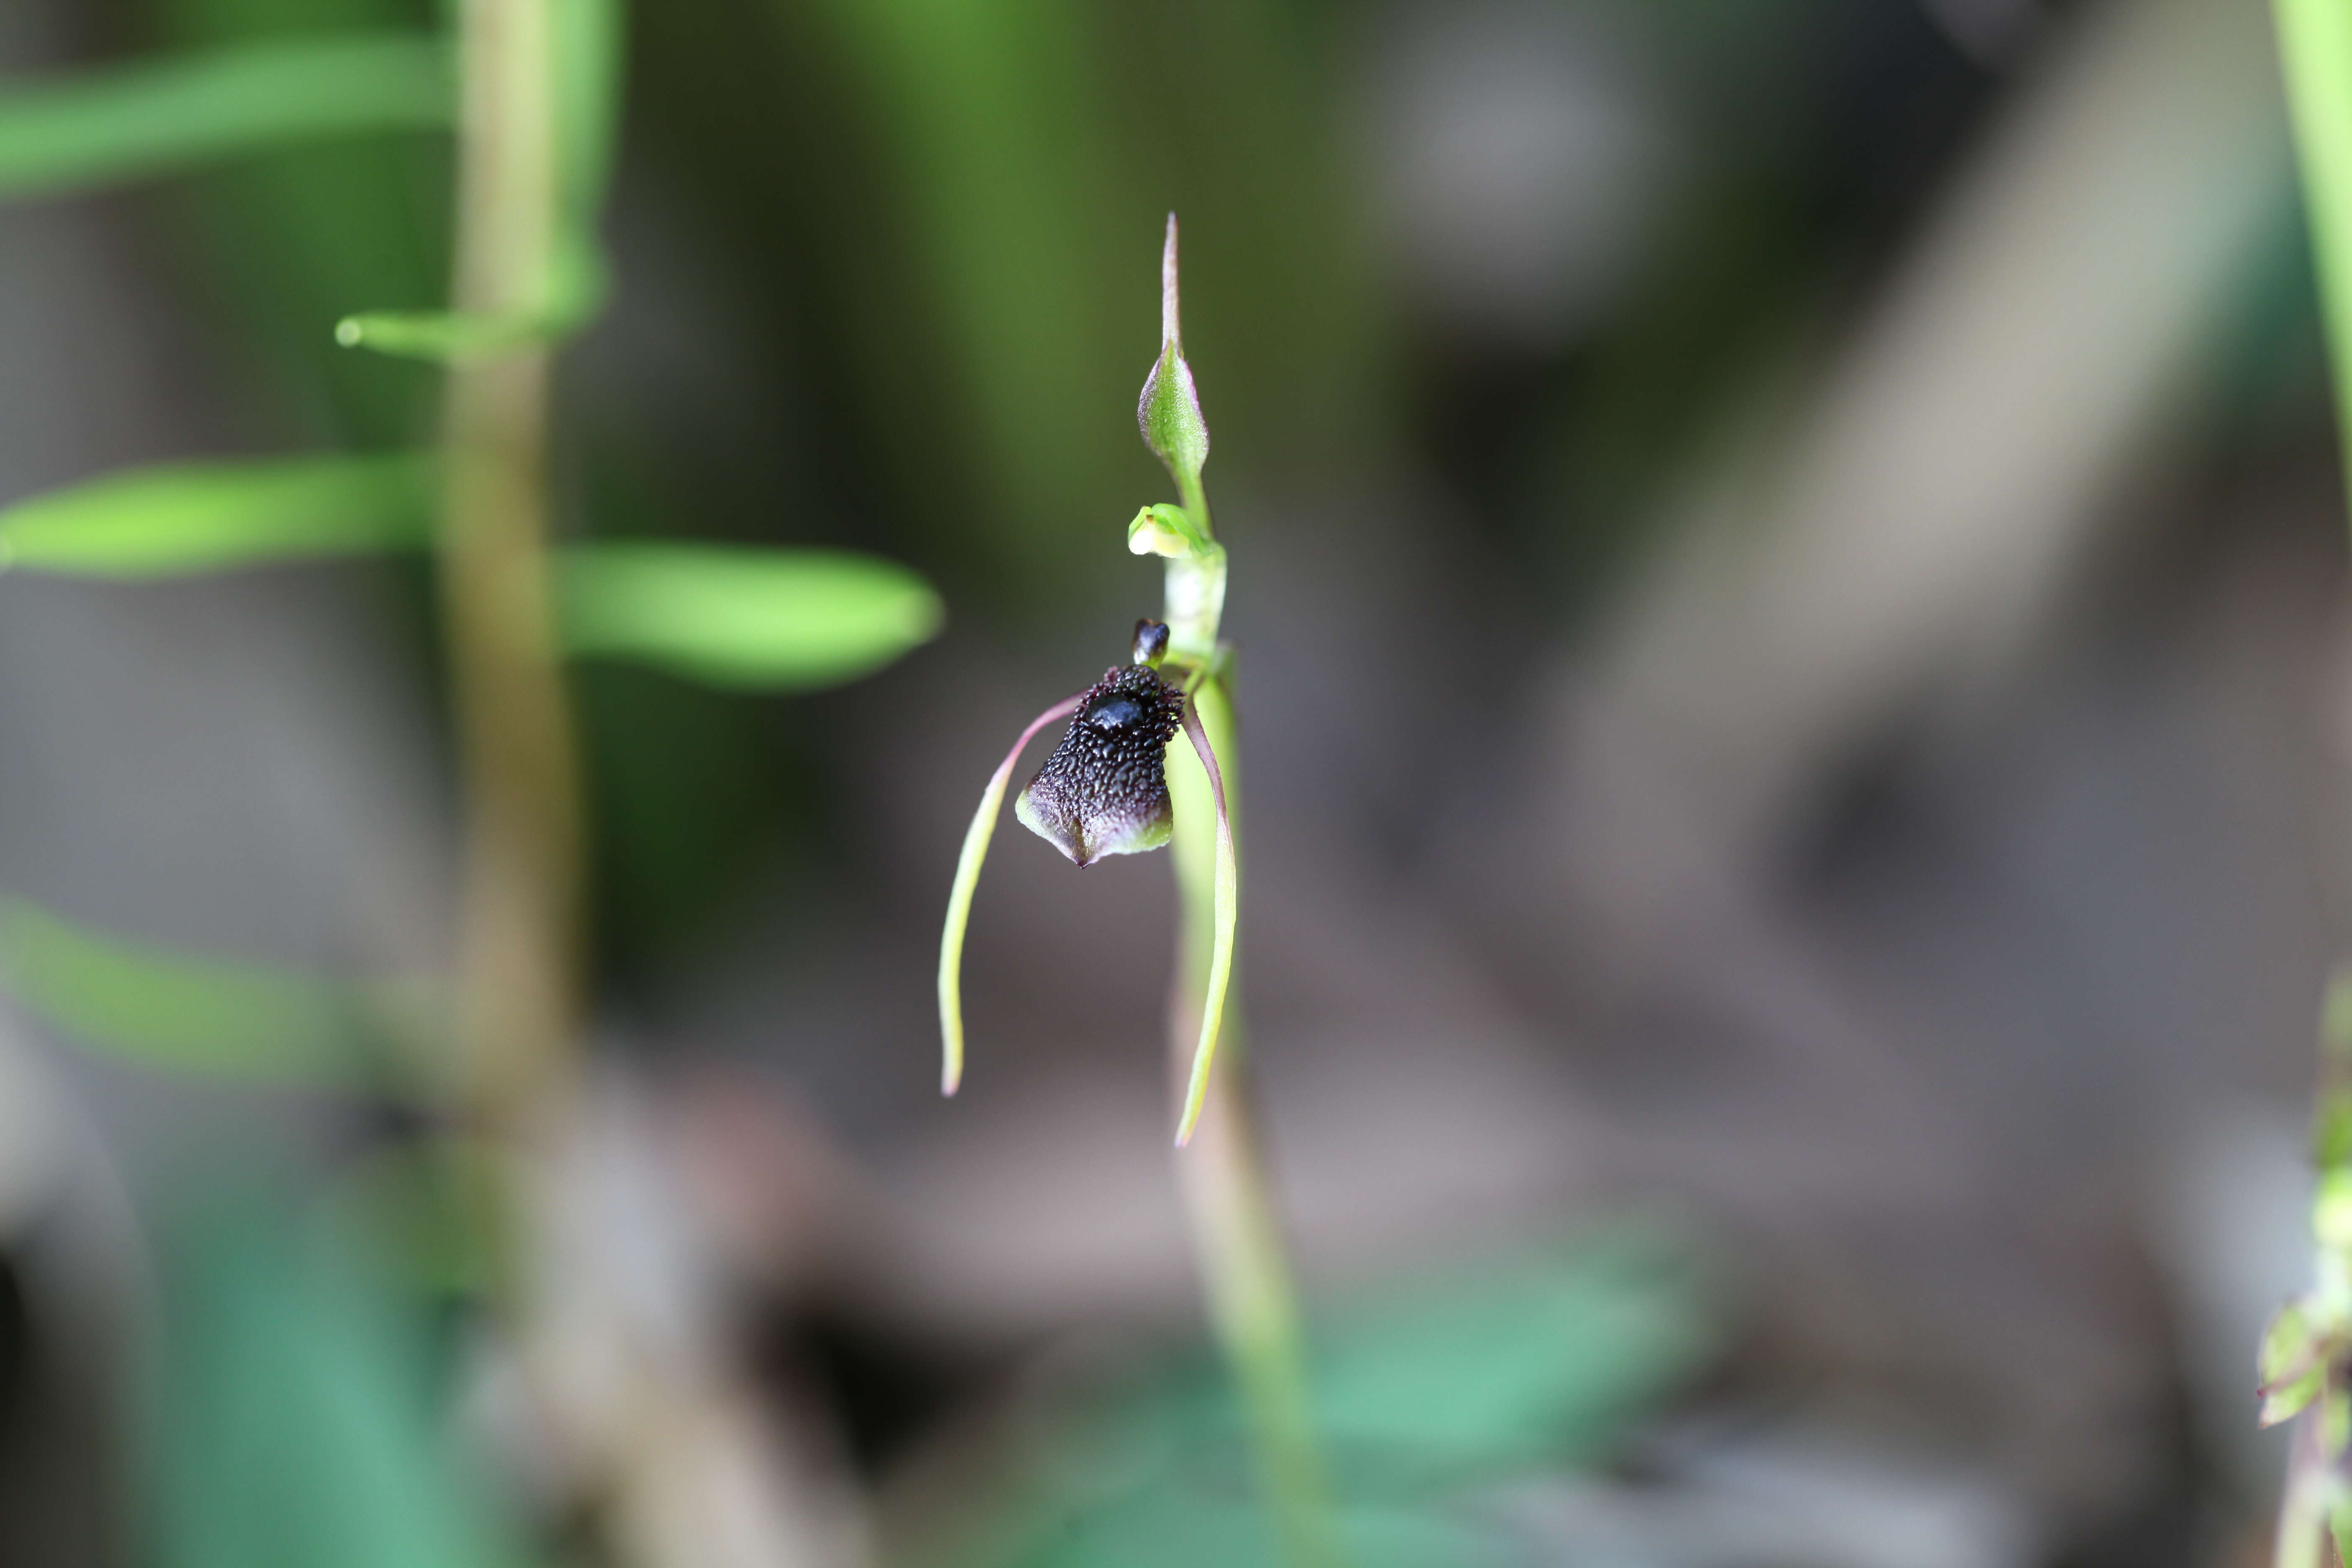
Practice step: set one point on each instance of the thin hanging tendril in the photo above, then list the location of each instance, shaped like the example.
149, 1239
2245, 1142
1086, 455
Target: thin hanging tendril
967, 878
1221, 954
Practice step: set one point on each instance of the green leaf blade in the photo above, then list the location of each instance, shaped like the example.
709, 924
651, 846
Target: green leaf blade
1542, 1356
160, 117
588, 53
439, 336
743, 618
181, 518
2293, 1366
169, 1010
577, 287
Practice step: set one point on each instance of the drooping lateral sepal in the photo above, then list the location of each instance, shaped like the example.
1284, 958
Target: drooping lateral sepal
1105, 789
967, 878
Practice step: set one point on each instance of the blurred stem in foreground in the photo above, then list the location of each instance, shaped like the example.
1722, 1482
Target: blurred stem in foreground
1237, 1232
521, 875
2304, 1358
2315, 50
2305, 1365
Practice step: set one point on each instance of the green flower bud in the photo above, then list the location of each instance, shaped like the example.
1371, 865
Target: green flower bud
1168, 412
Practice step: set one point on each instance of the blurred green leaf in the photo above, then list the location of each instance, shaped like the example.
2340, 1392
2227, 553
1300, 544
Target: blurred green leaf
780, 620
1545, 1360
2293, 1365
287, 242
159, 116
1178, 1521
587, 52
165, 1009
590, 45
300, 1421
575, 293
2315, 39
442, 335
209, 516
1545, 1354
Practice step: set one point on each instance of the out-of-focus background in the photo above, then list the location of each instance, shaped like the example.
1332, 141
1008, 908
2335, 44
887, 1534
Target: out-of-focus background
1797, 691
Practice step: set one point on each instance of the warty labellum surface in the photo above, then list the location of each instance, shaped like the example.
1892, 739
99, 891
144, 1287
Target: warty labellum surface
1105, 789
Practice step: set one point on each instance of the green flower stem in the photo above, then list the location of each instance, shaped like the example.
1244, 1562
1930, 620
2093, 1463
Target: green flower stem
521, 877
1236, 1233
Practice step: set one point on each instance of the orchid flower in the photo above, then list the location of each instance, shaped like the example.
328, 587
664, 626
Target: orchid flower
1103, 791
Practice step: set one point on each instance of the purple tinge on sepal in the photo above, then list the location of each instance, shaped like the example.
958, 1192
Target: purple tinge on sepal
1105, 789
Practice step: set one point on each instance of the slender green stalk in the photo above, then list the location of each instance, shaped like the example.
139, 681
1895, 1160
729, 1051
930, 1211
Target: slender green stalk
1237, 1232
522, 874
2306, 1355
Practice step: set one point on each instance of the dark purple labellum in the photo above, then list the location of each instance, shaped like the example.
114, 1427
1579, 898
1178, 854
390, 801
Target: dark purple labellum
1105, 789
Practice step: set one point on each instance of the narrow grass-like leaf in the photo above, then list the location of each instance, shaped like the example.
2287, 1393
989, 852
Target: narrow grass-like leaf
771, 620
967, 878
166, 116
575, 293
167, 1009
183, 518
1221, 954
